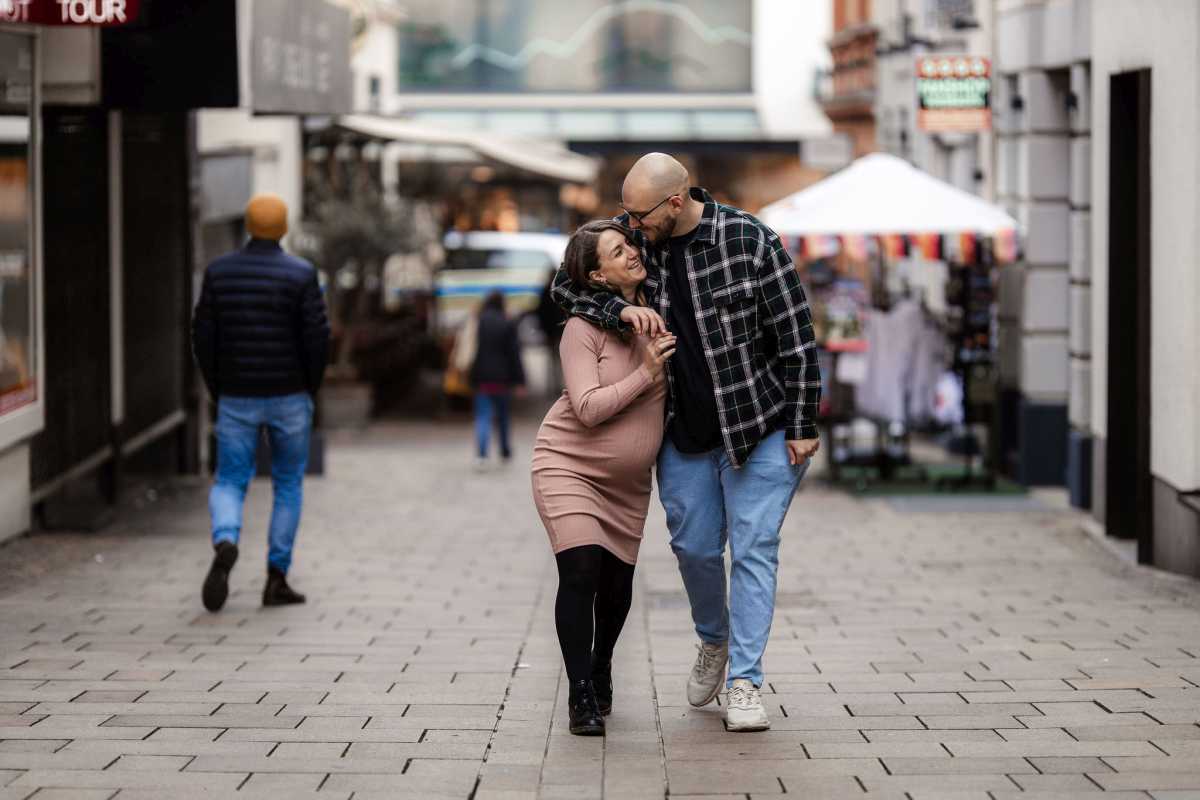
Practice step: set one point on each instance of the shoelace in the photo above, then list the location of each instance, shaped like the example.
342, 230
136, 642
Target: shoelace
741, 696
706, 659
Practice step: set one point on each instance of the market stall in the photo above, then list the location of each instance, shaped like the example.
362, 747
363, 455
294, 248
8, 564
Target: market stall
901, 270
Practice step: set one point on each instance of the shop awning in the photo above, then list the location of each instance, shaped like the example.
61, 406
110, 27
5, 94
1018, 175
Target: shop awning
882, 194
542, 158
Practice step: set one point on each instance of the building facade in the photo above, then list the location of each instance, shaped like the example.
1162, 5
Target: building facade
1096, 156
1144, 418
729, 87
121, 193
906, 31
847, 92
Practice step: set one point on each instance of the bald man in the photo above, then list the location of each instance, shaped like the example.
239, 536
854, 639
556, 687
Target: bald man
741, 415
261, 340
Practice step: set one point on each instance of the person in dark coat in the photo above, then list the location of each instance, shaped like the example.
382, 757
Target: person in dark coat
261, 339
495, 372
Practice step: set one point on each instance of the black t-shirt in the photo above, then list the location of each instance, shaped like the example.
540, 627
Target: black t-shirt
695, 427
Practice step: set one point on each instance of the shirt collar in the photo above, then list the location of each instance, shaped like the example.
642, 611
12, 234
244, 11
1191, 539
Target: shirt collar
707, 229
262, 246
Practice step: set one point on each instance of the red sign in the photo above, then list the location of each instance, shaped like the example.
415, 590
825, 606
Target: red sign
72, 13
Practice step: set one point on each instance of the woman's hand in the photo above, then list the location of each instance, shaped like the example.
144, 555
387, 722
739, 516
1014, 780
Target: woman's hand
645, 321
656, 353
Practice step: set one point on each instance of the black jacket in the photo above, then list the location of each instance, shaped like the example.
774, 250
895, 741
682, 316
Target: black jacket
498, 353
259, 329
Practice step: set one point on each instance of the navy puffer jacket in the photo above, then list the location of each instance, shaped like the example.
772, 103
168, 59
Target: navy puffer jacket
260, 328
498, 352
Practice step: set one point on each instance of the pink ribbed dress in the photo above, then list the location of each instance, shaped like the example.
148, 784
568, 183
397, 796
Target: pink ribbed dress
597, 444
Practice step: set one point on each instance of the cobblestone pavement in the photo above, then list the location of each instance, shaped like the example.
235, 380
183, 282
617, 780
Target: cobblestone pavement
914, 654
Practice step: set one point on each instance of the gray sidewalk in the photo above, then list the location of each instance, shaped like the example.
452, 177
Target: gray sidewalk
914, 654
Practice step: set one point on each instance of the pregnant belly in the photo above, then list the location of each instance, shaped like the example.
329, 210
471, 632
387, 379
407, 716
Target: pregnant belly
614, 451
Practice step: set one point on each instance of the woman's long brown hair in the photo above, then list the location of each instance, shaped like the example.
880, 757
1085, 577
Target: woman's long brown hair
582, 256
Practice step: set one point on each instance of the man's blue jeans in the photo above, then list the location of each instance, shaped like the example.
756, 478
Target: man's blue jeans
288, 420
491, 408
708, 503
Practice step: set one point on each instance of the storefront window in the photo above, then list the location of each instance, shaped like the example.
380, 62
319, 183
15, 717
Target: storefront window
580, 46
18, 365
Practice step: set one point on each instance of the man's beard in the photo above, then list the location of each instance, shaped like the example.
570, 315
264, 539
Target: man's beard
665, 231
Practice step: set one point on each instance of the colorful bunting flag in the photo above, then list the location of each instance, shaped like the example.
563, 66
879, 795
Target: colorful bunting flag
820, 246
928, 245
1006, 246
893, 246
967, 248
855, 246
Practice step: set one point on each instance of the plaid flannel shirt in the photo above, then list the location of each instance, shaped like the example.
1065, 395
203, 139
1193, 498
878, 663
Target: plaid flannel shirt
753, 319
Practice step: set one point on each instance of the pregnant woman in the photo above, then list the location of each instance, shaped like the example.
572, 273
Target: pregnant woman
591, 468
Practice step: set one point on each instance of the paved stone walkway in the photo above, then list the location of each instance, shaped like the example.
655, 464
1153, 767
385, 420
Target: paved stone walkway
918, 655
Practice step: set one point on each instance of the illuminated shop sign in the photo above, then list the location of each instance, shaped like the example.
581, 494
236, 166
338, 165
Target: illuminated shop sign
954, 94
70, 12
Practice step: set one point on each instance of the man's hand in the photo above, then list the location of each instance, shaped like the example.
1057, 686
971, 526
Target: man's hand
645, 321
801, 449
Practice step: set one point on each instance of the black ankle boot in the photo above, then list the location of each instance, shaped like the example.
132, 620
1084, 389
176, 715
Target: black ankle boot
277, 592
216, 584
586, 719
603, 686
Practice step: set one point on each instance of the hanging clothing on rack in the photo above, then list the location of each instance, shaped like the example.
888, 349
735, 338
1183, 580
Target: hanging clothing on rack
905, 358
930, 356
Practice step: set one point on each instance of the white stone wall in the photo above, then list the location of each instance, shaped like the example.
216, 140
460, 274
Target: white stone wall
1043, 175
276, 142
1161, 35
789, 46
376, 55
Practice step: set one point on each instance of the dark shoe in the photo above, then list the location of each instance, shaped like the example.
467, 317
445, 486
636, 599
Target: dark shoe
216, 585
602, 685
277, 592
585, 716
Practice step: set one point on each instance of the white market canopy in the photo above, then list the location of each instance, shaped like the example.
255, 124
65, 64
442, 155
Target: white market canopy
882, 194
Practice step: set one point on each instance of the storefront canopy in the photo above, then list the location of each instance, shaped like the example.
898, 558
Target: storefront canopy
541, 158
883, 194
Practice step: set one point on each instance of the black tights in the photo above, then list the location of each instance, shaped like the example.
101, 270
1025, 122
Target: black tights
591, 581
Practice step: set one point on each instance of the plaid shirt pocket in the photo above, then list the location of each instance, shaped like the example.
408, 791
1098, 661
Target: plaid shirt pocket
737, 311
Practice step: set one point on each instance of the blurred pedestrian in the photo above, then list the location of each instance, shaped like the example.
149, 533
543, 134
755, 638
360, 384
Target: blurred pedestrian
591, 469
495, 373
261, 338
741, 422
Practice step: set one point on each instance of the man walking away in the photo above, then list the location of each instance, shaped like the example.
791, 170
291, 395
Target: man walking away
261, 339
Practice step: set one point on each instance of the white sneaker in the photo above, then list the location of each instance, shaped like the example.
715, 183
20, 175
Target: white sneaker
708, 673
481, 465
745, 711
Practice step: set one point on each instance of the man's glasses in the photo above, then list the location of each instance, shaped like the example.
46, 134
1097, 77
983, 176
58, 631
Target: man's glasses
640, 216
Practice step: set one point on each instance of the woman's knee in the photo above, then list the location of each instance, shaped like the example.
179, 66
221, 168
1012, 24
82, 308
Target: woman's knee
579, 568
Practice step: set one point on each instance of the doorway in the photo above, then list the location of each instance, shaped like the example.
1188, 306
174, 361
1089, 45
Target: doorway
1128, 481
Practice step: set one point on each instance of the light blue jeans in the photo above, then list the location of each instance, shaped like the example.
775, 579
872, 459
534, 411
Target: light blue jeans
489, 409
288, 420
709, 503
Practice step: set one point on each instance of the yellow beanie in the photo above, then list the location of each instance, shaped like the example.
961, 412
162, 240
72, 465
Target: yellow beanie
266, 217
